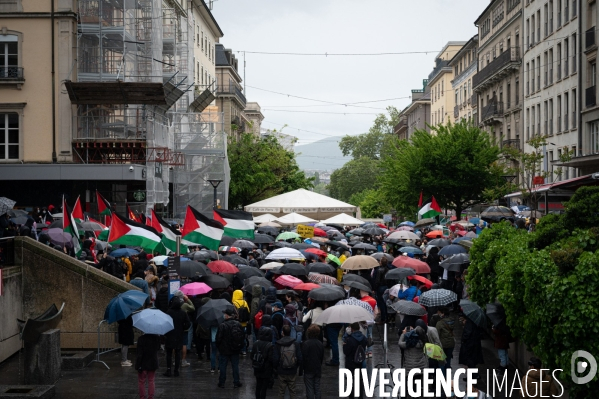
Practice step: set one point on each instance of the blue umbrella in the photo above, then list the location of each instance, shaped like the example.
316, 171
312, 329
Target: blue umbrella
153, 321
118, 253
474, 221
121, 306
452, 249
407, 223
411, 250
461, 239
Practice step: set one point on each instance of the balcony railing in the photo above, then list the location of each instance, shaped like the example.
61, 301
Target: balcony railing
590, 38
232, 89
510, 55
514, 143
474, 100
11, 73
590, 96
492, 110
456, 112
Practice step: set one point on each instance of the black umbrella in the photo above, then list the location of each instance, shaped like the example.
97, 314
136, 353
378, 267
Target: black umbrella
358, 285
292, 269
302, 245
320, 267
236, 260
356, 232
425, 222
309, 255
190, 268
400, 273
334, 234
226, 241
263, 239
409, 308
452, 249
364, 246
273, 231
454, 263
247, 272
439, 242
497, 214
215, 282
379, 255
496, 313
335, 226
354, 277
472, 311
244, 244
255, 280
211, 314
281, 244
396, 241
23, 220
374, 231
337, 244
203, 255
328, 293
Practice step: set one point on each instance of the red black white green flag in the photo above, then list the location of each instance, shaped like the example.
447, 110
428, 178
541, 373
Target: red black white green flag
199, 230
238, 224
125, 231
70, 226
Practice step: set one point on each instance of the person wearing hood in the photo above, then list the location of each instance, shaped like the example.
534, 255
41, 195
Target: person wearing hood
161, 301
267, 322
243, 314
174, 338
226, 296
269, 299
287, 359
432, 259
262, 361
412, 342
142, 284
354, 342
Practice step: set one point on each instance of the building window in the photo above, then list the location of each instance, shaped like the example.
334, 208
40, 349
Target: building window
202, 41
566, 58
532, 131
574, 116
527, 33
551, 66
442, 87
559, 61
527, 124
546, 109
546, 72
527, 79
539, 118
498, 14
538, 73
559, 114
594, 137
517, 91
574, 8
532, 65
566, 111
9, 136
574, 53
9, 56
538, 26
532, 30
551, 116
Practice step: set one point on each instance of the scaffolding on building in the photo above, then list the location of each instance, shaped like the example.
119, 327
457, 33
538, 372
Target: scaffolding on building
146, 41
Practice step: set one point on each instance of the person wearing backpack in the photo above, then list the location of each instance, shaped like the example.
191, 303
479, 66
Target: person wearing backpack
254, 309
174, 338
278, 317
412, 342
354, 349
243, 315
292, 321
262, 356
229, 341
287, 358
312, 357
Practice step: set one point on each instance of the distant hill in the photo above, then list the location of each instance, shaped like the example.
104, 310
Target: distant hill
322, 155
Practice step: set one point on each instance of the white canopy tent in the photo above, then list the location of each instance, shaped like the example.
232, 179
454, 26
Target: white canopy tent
309, 203
293, 219
344, 220
267, 217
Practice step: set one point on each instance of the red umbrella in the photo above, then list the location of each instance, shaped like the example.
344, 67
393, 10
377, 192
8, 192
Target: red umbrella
316, 251
457, 226
306, 286
435, 233
382, 226
422, 279
222, 266
461, 233
405, 261
319, 232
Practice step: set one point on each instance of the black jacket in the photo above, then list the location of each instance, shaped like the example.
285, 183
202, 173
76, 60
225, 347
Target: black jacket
349, 349
224, 338
126, 336
287, 341
148, 346
174, 338
161, 301
312, 355
266, 346
471, 353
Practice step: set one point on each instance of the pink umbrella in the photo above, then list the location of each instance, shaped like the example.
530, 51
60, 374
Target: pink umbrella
405, 228
288, 281
192, 289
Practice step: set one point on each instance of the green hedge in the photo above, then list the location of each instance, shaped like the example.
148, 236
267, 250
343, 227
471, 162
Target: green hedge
548, 282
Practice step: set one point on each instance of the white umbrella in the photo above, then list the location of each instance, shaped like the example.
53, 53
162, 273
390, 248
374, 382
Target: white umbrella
267, 217
285, 253
271, 265
153, 321
159, 260
293, 219
403, 235
269, 224
344, 314
344, 220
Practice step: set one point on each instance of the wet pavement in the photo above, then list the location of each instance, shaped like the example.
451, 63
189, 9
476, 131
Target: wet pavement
95, 381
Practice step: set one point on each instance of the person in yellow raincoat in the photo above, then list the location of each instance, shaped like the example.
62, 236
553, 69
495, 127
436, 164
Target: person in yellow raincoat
243, 315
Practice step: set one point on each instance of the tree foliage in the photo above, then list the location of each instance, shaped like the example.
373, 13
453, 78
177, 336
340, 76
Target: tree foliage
371, 144
549, 292
261, 168
371, 203
457, 163
355, 176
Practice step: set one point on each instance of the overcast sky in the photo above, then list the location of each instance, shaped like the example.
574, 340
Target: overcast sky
338, 26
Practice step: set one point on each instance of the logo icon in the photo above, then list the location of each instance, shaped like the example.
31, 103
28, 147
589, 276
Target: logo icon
579, 366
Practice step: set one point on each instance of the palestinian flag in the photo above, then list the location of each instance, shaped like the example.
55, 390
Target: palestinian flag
69, 226
199, 230
430, 210
130, 213
169, 233
78, 211
103, 205
125, 231
238, 224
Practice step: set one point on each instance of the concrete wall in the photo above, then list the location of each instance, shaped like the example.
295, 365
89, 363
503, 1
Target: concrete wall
45, 276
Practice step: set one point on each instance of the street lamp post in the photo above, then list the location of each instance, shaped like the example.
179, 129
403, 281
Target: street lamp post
214, 183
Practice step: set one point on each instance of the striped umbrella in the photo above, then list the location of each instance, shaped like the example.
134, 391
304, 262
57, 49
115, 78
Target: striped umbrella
322, 278
439, 297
